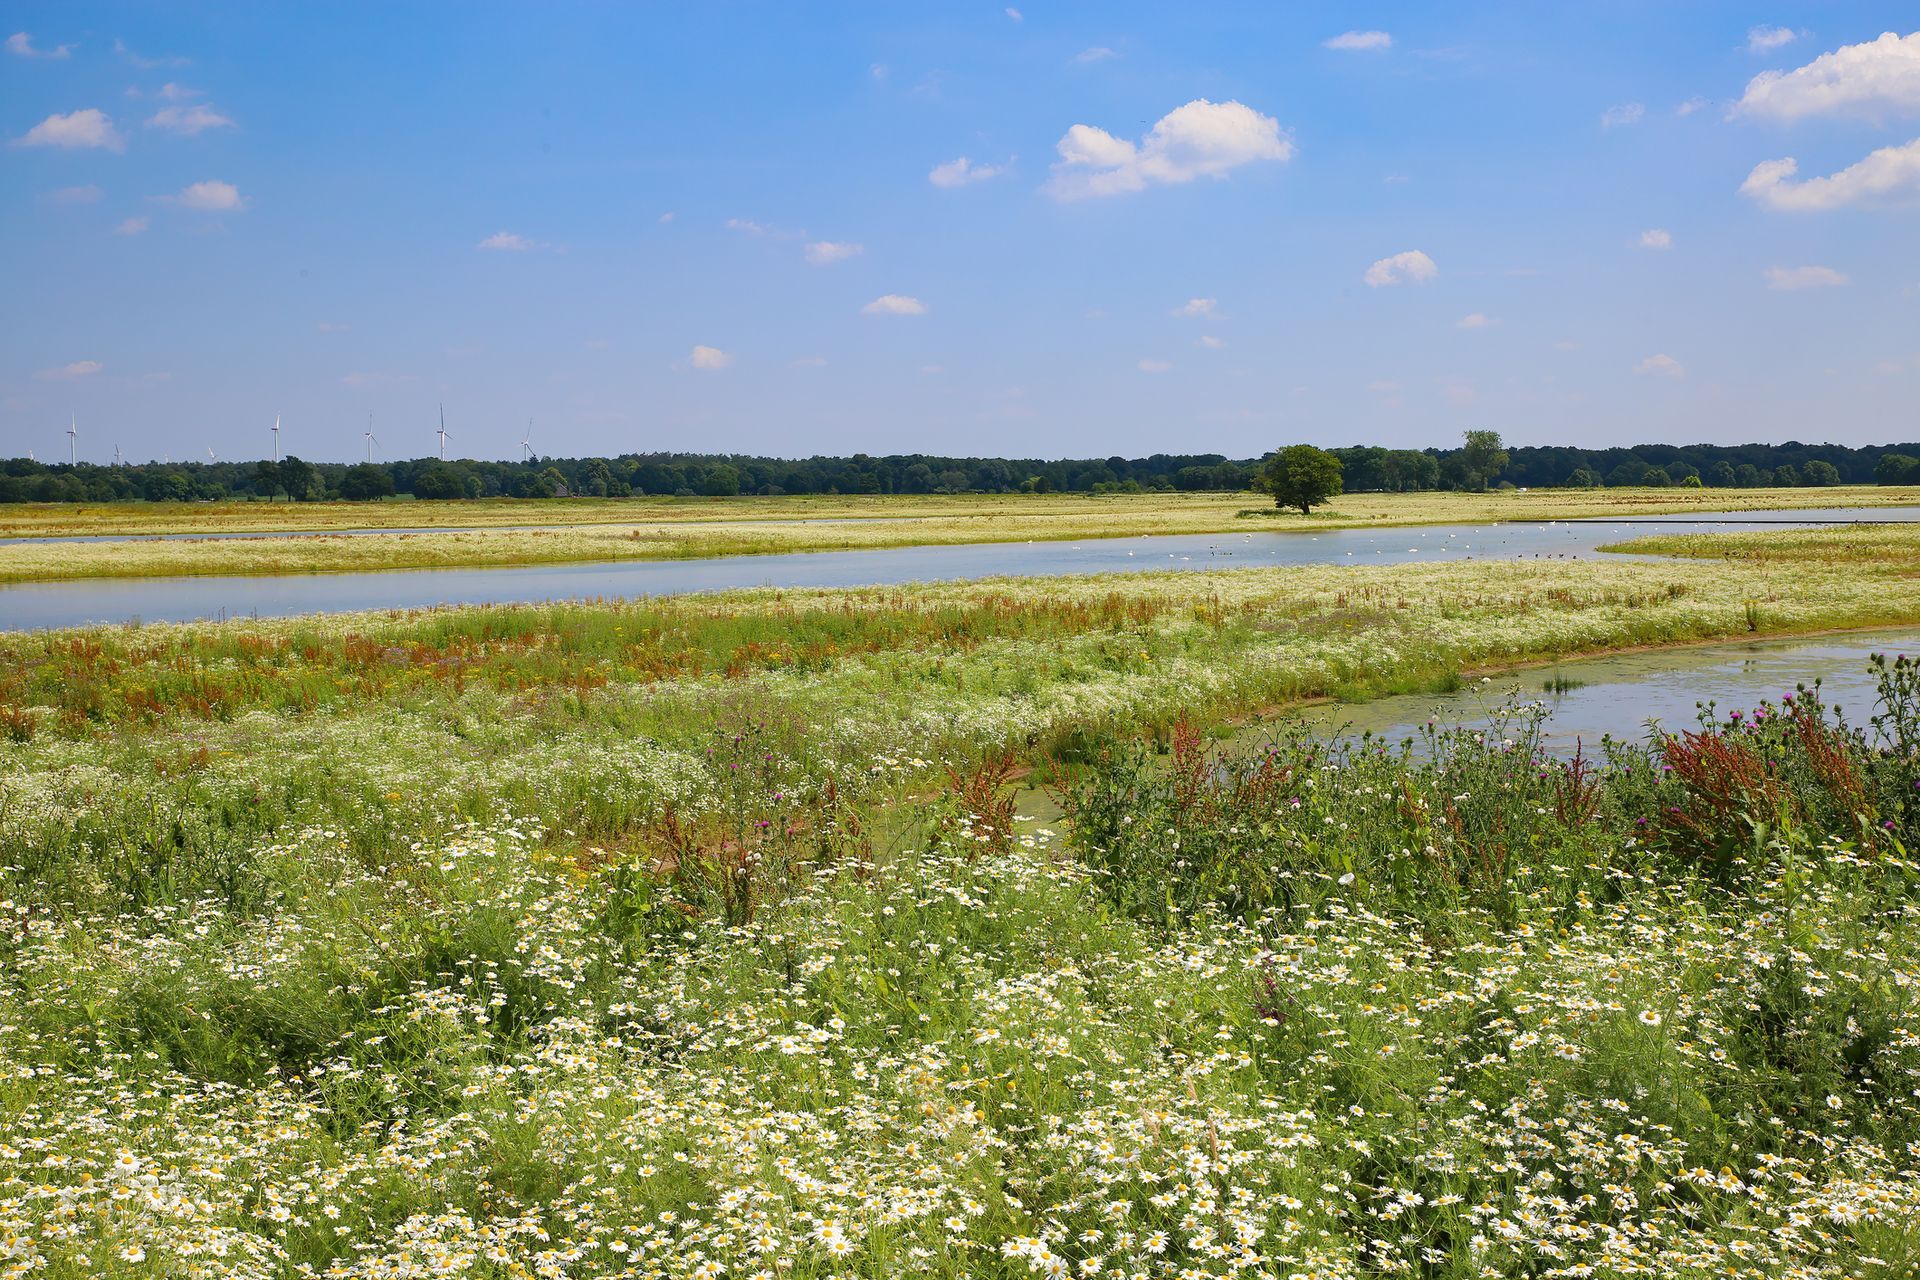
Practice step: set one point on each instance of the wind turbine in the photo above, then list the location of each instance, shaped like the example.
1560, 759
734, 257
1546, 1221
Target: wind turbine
370, 440
443, 433
73, 430
210, 457
526, 443
276, 437
116, 455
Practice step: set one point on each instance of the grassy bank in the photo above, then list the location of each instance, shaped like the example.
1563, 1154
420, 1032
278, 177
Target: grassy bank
667, 529
693, 938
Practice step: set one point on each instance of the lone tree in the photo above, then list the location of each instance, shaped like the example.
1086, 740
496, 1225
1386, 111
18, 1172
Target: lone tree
1301, 476
1484, 458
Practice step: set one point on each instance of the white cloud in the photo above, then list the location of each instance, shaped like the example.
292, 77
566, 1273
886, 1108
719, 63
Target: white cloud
747, 225
212, 196
1210, 342
1154, 366
133, 226
1765, 39
1098, 53
87, 127
188, 120
962, 172
1690, 106
1474, 320
1661, 366
1015, 14
1656, 238
1889, 173
1196, 307
78, 369
1411, 267
21, 43
1625, 113
1804, 278
1199, 140
505, 242
74, 195
894, 304
665, 218
1360, 41
822, 252
1873, 79
709, 359
146, 64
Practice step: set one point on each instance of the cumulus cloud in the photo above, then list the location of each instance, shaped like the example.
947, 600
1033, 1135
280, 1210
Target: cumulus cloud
74, 195
1804, 278
87, 127
1878, 78
1624, 114
133, 226
822, 252
212, 196
22, 44
1150, 365
963, 172
1885, 175
188, 120
895, 304
1661, 366
1360, 42
1765, 39
1199, 140
709, 359
1473, 320
78, 369
505, 242
1196, 307
1411, 267
1690, 106
1656, 238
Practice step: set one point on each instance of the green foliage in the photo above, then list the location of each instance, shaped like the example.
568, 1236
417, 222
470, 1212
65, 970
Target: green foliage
1302, 476
1896, 468
365, 481
1482, 459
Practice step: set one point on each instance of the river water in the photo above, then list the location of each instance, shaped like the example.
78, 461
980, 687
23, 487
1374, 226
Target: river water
1623, 695
30, 606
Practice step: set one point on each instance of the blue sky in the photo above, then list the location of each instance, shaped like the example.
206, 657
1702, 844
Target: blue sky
743, 228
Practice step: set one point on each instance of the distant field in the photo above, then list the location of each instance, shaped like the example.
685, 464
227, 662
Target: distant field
504, 533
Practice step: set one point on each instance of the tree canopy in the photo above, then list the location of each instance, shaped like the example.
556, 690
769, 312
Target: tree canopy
1302, 476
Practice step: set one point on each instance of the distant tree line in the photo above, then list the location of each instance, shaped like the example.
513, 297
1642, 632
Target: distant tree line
1481, 462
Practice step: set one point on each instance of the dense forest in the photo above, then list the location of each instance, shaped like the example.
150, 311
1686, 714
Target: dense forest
713, 475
